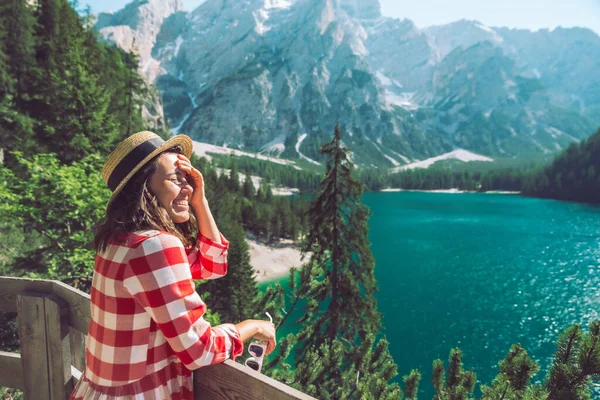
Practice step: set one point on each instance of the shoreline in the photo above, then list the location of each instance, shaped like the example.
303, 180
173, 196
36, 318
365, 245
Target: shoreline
450, 191
273, 262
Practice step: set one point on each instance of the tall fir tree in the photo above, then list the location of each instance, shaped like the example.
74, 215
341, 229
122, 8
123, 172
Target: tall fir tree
18, 72
249, 191
19, 19
338, 242
47, 33
80, 122
337, 355
6, 80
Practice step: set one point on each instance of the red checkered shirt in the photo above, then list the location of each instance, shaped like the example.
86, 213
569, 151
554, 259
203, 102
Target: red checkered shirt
147, 329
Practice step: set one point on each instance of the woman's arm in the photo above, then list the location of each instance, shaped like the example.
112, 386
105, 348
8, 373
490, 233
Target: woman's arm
206, 223
207, 259
159, 279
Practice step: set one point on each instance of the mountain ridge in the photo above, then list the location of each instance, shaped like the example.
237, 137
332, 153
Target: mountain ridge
261, 73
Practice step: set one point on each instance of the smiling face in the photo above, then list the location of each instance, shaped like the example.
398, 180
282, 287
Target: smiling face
172, 190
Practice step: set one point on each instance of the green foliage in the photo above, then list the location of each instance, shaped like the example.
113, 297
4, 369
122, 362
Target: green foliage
261, 213
459, 383
71, 130
574, 174
61, 90
12, 394
19, 44
518, 367
61, 203
435, 178
235, 293
411, 384
282, 175
576, 364
513, 380
359, 381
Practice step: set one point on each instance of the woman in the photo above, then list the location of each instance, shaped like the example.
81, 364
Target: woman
147, 331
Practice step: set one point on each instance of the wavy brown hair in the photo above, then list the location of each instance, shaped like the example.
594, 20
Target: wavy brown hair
136, 208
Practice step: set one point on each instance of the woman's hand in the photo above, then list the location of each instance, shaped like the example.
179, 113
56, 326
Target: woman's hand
257, 329
267, 334
195, 179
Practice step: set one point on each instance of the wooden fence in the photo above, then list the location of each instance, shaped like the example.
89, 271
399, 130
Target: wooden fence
53, 320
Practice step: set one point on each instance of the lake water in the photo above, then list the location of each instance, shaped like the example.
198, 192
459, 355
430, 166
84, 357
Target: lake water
480, 272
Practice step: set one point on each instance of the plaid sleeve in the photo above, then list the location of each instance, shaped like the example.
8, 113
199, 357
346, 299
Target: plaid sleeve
159, 279
208, 259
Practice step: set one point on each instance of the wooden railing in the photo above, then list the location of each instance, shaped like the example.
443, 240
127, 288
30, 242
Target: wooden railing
53, 319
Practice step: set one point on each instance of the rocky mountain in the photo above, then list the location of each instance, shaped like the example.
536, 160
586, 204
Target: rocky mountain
277, 75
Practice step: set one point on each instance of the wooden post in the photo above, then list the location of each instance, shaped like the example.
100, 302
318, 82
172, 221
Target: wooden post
58, 347
32, 334
45, 346
77, 349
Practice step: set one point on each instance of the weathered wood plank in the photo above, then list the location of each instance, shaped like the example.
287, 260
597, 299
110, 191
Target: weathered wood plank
10, 287
77, 348
79, 302
79, 305
32, 335
231, 380
58, 346
12, 371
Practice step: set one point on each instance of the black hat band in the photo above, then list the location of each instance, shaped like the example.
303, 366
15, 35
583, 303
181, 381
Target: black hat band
131, 160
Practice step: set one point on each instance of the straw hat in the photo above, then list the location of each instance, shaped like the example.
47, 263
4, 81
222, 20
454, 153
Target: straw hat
135, 152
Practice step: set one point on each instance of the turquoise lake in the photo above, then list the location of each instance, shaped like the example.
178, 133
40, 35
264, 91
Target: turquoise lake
480, 272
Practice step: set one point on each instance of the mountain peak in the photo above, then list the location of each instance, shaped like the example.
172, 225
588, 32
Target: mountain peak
361, 9
175, 5
136, 26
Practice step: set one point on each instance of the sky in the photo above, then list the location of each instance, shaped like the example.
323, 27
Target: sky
526, 14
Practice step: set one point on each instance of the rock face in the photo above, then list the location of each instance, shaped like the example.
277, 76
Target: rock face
277, 75
135, 27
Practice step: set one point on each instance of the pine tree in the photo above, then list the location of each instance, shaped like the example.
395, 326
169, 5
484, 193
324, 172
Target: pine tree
6, 89
18, 17
47, 34
337, 355
337, 240
233, 182
78, 122
458, 385
233, 295
576, 364
6, 80
249, 191
17, 73
513, 379
366, 379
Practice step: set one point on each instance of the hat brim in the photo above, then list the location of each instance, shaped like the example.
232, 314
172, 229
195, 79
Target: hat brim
180, 140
